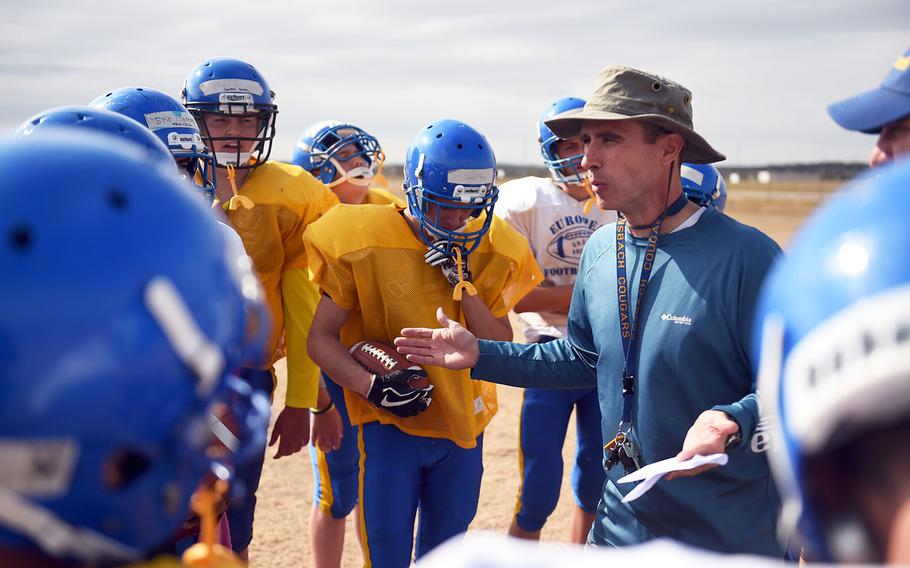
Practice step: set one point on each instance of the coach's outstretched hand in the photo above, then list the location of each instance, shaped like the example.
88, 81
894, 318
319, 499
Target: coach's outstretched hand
451, 346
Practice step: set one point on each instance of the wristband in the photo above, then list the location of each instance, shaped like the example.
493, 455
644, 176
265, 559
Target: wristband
317, 411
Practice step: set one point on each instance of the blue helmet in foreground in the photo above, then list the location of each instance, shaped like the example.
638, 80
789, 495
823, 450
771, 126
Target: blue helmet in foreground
325, 145
173, 124
449, 164
834, 351
223, 85
563, 170
102, 120
123, 318
703, 185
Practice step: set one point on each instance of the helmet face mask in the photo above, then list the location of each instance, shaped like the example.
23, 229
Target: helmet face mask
563, 170
450, 173
173, 124
327, 149
233, 88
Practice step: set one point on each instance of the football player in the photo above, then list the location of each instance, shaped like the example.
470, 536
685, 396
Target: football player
834, 377
118, 339
173, 124
348, 160
269, 204
99, 120
445, 249
551, 214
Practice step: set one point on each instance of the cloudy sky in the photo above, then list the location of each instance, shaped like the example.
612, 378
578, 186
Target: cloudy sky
762, 71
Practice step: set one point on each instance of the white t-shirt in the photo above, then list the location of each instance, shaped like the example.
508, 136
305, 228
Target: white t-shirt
557, 229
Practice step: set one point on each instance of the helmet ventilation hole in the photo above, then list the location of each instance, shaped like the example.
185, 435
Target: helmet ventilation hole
439, 135
20, 238
117, 199
460, 146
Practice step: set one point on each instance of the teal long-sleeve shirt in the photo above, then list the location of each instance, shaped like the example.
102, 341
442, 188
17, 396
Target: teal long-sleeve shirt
692, 355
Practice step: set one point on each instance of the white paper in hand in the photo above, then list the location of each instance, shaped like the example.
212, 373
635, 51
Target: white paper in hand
652, 473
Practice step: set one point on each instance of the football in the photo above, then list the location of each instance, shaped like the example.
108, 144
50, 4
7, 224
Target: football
381, 358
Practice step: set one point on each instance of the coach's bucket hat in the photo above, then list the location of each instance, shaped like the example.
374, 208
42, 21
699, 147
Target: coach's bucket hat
868, 112
622, 93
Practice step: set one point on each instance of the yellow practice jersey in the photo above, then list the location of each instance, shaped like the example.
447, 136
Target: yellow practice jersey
286, 199
378, 272
379, 196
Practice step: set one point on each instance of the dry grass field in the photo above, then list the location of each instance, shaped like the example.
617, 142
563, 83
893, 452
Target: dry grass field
285, 495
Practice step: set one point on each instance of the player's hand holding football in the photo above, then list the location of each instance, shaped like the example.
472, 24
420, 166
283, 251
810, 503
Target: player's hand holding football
448, 264
451, 346
404, 392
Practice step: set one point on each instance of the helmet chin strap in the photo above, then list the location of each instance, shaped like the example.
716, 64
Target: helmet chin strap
229, 158
670, 209
360, 175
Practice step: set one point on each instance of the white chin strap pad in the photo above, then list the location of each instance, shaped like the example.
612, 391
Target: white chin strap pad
225, 158
361, 176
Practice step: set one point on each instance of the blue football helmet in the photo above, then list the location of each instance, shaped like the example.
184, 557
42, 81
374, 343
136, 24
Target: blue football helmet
703, 185
123, 317
834, 349
564, 170
230, 86
449, 164
319, 146
173, 124
103, 120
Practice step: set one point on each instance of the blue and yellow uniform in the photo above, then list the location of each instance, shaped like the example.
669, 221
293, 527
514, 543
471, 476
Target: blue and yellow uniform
432, 460
285, 200
335, 473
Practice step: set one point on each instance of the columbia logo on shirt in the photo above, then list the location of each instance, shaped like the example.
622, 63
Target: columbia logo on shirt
679, 320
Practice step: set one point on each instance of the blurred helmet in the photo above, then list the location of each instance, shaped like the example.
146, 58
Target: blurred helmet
101, 120
123, 318
834, 328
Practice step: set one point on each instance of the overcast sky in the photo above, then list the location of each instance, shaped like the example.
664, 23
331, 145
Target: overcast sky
761, 72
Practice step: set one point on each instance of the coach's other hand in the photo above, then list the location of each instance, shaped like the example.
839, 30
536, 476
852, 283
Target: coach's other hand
451, 346
710, 434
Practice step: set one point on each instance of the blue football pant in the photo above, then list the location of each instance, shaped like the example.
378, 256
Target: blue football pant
336, 473
403, 475
545, 417
241, 511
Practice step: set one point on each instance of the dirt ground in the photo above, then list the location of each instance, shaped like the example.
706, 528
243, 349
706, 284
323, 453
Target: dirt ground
285, 494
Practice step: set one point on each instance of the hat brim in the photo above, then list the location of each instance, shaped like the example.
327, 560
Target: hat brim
696, 151
868, 112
